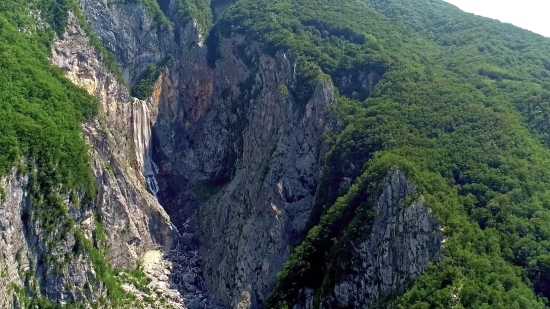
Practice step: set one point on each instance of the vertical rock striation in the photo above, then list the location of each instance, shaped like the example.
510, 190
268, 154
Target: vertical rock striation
131, 31
238, 158
121, 155
43, 261
14, 256
404, 238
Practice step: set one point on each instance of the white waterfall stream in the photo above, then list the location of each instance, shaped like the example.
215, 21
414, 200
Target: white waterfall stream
142, 140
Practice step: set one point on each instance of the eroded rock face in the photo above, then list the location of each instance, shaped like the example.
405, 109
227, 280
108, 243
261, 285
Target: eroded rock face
404, 239
133, 219
238, 160
254, 219
131, 32
31, 257
12, 238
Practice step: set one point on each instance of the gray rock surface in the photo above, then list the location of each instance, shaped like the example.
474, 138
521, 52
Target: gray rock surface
239, 160
231, 129
32, 258
14, 251
404, 239
131, 32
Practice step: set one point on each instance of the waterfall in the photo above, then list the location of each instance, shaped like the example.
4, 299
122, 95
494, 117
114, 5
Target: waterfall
142, 140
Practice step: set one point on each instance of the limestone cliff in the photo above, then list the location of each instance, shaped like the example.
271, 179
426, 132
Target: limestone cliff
404, 238
49, 264
40, 260
133, 219
239, 159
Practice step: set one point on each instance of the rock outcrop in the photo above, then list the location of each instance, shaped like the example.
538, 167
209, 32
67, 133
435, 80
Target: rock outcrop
404, 238
42, 261
132, 32
12, 239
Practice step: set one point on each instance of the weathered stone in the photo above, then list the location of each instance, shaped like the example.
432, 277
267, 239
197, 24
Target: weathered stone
134, 221
24, 245
131, 32
228, 124
404, 239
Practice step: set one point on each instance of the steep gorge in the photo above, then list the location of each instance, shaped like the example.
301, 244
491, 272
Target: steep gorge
230, 132
239, 158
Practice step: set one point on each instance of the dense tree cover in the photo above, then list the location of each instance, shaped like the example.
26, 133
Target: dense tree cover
40, 113
198, 10
462, 109
515, 61
146, 81
202, 11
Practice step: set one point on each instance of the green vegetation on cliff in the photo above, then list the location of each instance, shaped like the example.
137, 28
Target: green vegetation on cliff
462, 107
153, 9
198, 10
41, 114
146, 81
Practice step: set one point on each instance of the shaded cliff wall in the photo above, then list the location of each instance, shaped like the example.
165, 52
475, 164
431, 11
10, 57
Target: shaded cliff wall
31, 257
35, 261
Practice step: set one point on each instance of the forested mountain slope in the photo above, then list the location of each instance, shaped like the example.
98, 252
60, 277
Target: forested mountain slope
310, 153
461, 108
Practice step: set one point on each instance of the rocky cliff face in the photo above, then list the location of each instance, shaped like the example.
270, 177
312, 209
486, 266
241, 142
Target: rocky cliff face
12, 238
131, 32
249, 226
405, 237
238, 158
239, 162
40, 260
133, 219
370, 270
46, 262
